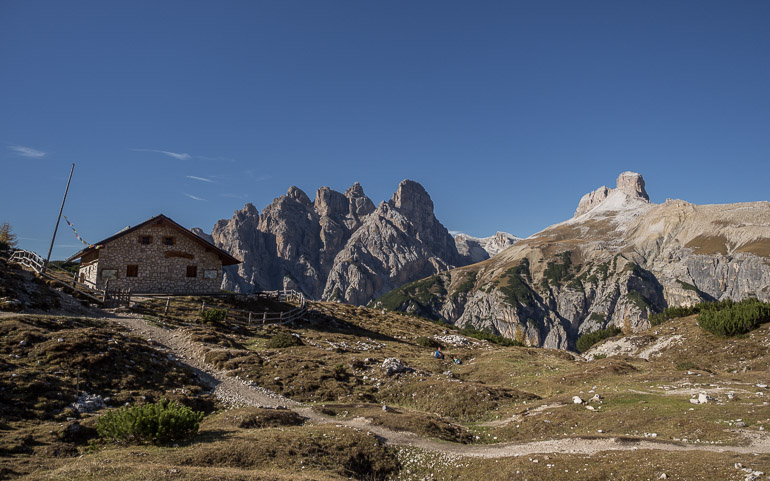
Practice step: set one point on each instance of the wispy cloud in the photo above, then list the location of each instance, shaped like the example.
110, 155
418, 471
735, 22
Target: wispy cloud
455, 232
202, 179
166, 152
27, 151
194, 197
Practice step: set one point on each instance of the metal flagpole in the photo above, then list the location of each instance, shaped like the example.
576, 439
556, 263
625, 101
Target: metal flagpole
47, 259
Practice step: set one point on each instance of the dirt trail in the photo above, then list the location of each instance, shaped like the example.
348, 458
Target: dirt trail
234, 391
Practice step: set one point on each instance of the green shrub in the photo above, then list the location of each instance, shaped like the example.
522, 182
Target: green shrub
488, 336
516, 290
670, 313
165, 422
734, 319
585, 341
426, 342
638, 300
556, 272
214, 315
283, 339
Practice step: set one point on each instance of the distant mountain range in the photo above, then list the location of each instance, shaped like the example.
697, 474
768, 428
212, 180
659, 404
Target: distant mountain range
619, 259
341, 247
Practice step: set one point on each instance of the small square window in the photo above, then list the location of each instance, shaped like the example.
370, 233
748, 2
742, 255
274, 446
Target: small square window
169, 241
192, 271
145, 240
210, 274
132, 271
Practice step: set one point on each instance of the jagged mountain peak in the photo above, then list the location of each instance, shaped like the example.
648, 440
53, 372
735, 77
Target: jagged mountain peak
629, 191
339, 246
298, 194
355, 190
411, 198
632, 184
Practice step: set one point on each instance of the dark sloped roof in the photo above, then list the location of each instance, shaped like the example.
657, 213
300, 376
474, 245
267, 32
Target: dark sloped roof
227, 259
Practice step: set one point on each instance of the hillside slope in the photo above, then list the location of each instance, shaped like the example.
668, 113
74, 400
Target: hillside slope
618, 260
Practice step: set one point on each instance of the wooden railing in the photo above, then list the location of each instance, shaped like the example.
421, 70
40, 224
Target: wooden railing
237, 316
64, 278
252, 317
28, 259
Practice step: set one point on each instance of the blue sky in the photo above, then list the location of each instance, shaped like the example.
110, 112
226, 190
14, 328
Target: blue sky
506, 111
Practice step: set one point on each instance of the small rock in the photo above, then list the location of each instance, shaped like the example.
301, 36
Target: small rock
87, 403
595, 399
703, 398
392, 366
740, 424
663, 476
591, 408
577, 400
386, 408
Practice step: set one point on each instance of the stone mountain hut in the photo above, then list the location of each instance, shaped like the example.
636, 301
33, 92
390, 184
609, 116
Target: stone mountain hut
157, 256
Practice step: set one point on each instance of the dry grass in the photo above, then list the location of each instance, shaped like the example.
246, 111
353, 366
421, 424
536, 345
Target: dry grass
708, 245
338, 369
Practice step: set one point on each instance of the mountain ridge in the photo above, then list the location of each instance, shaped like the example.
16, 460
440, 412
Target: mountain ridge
616, 261
340, 246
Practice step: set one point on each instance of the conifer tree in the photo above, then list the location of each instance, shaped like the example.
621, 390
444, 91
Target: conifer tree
7, 237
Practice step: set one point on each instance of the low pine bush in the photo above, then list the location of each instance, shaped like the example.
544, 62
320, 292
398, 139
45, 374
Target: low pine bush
164, 422
214, 315
734, 318
427, 342
585, 341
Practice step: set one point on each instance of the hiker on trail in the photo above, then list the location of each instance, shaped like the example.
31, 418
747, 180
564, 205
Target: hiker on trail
439, 354
458, 361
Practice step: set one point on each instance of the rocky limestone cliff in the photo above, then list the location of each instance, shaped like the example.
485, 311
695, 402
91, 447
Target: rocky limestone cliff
613, 264
399, 242
339, 246
629, 183
477, 249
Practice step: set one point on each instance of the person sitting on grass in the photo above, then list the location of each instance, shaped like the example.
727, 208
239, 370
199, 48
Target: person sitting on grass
458, 361
439, 354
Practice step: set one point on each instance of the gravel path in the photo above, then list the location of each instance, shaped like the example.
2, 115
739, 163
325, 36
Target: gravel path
236, 392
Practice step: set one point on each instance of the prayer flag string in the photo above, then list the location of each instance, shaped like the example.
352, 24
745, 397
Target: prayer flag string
78, 235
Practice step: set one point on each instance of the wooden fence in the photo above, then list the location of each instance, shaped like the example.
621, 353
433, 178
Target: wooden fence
245, 317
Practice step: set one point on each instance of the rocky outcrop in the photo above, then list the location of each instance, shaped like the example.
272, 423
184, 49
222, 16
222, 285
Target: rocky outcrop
630, 184
477, 249
399, 242
339, 246
617, 262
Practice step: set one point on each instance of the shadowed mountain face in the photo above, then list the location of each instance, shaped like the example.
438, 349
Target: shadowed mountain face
339, 246
619, 259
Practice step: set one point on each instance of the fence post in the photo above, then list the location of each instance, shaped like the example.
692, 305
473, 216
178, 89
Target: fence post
203, 306
249, 318
168, 301
264, 317
106, 289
